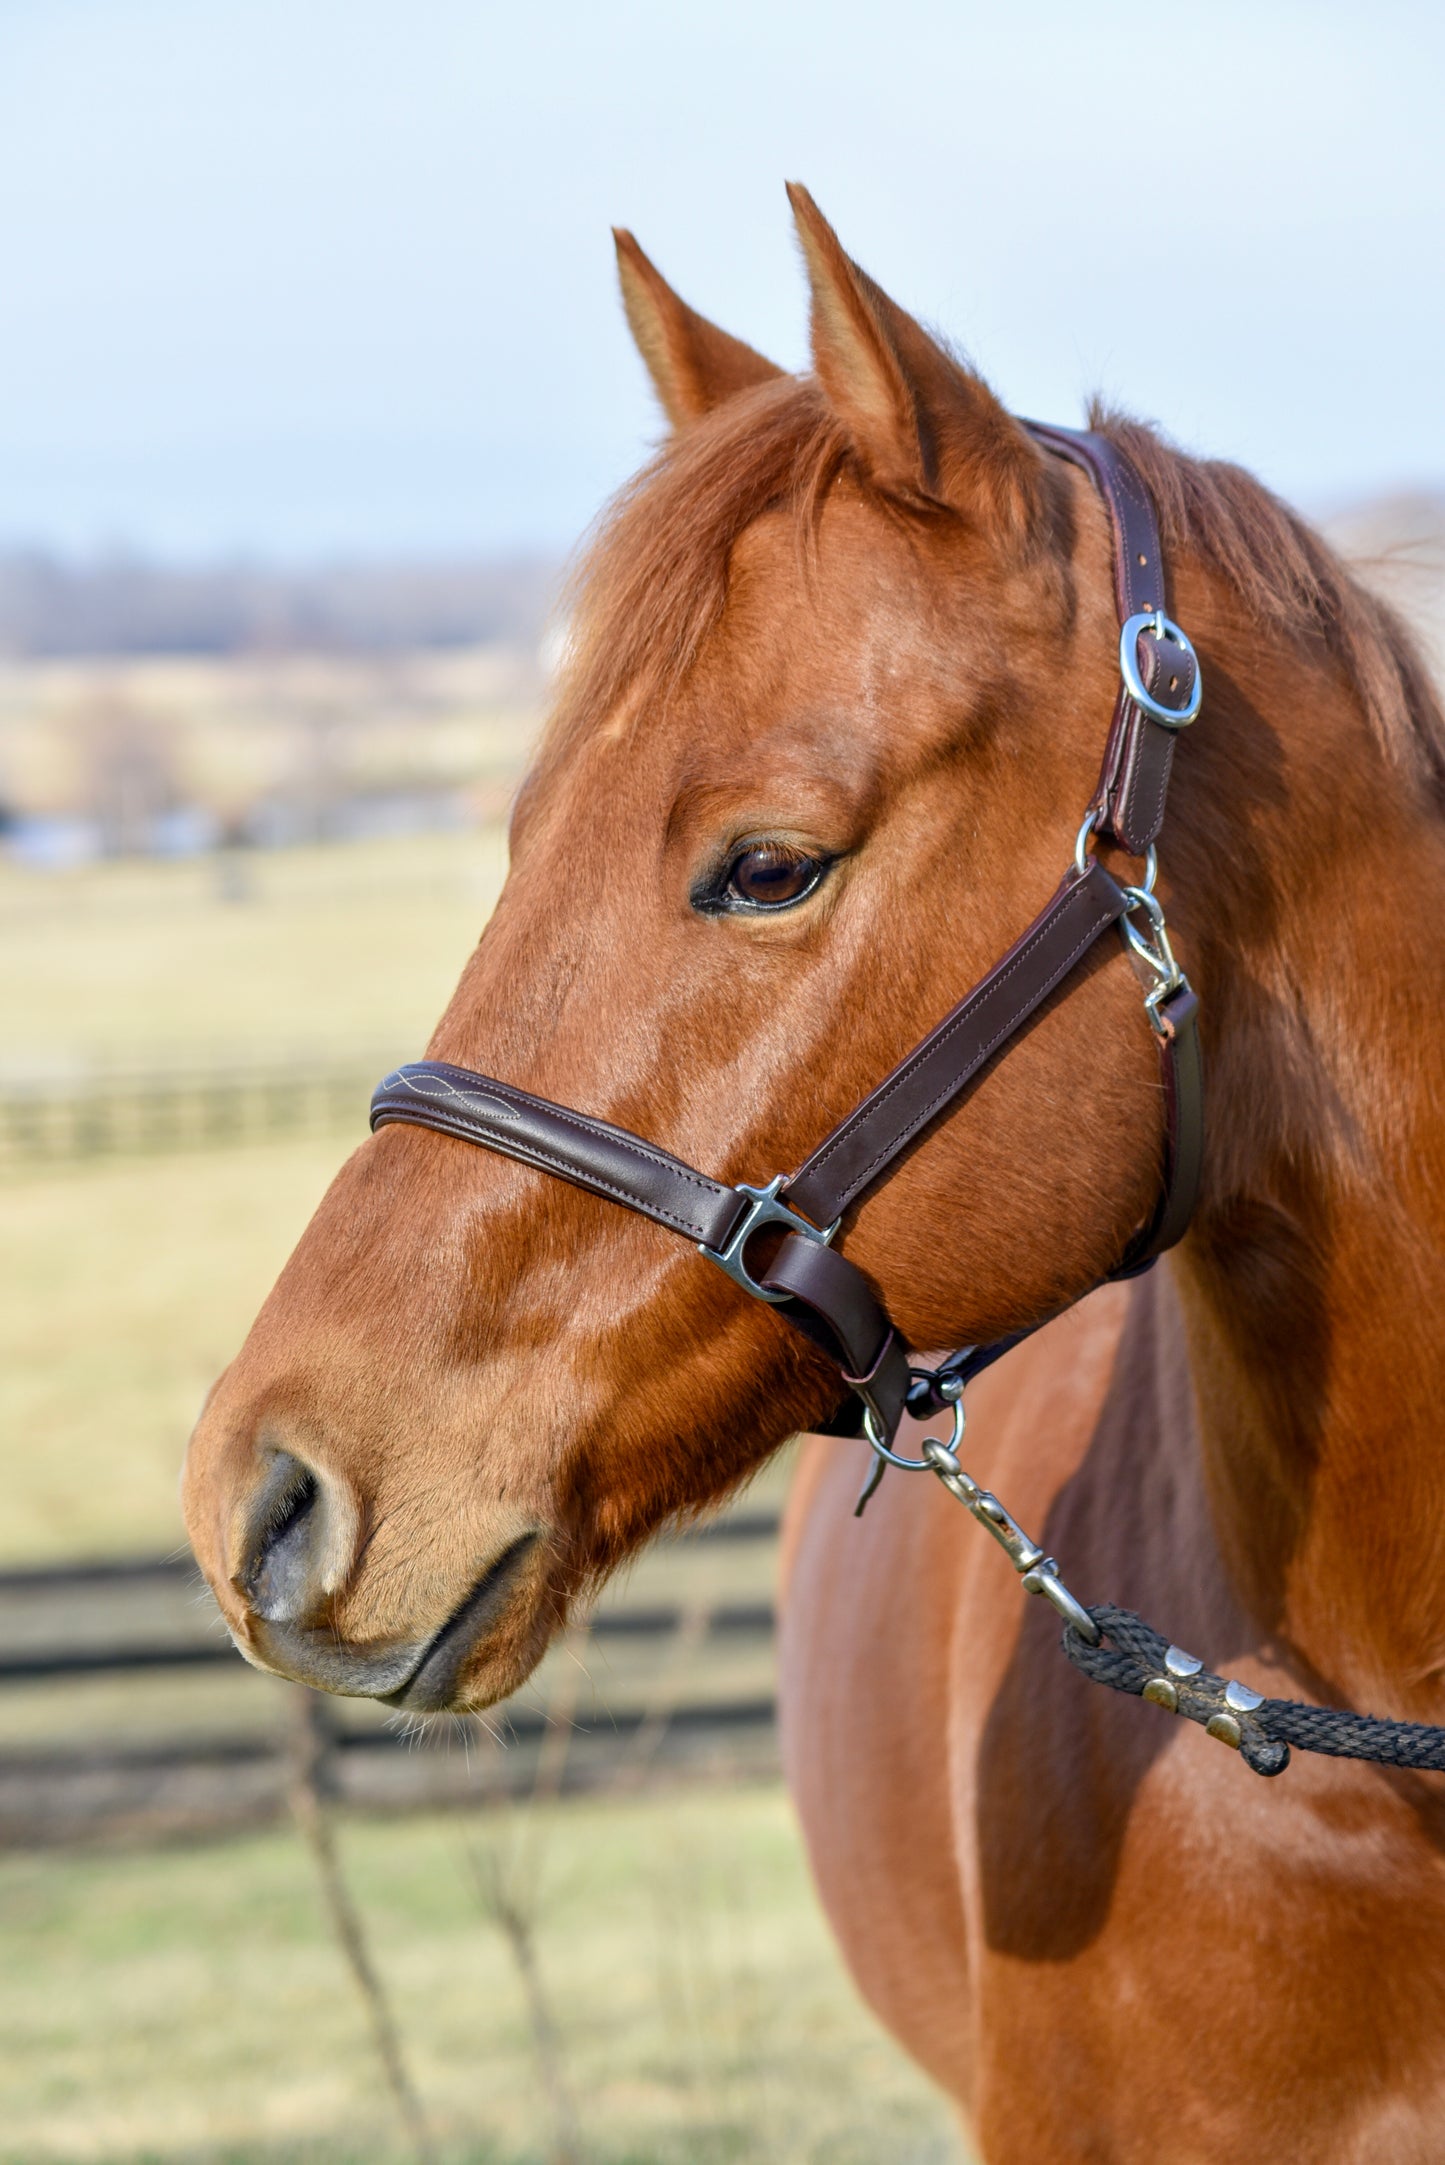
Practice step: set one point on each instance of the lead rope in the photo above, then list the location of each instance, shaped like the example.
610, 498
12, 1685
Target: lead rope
1115, 1647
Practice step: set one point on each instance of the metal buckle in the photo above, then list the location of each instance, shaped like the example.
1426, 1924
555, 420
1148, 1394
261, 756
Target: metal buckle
763, 1209
1163, 627
1083, 857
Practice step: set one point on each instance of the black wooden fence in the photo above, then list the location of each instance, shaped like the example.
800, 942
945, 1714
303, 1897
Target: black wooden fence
125, 1710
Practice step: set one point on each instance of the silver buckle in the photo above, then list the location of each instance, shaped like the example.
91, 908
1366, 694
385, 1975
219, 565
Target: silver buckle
763, 1209
1163, 627
1083, 857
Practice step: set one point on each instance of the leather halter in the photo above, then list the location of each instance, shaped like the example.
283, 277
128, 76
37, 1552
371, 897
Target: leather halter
808, 1281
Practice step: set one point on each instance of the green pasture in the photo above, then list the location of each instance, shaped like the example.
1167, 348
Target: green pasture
190, 2005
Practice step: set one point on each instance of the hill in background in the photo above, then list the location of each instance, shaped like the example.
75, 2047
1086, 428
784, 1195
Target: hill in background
125, 605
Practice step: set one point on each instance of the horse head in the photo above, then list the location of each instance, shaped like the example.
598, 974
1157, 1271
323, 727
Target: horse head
841, 665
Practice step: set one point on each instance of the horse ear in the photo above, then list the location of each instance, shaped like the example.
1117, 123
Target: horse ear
693, 365
922, 425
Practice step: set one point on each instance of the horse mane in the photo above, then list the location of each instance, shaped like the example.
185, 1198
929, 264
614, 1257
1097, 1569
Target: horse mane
652, 580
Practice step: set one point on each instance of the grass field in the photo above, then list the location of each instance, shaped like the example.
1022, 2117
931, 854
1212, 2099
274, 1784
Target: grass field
190, 2005
125, 1286
320, 946
229, 731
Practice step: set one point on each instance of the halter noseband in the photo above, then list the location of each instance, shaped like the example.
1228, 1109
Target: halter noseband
807, 1280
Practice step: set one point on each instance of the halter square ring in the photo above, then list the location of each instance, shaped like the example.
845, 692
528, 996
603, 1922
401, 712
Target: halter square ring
763, 1208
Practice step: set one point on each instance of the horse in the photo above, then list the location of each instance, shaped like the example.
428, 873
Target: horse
840, 663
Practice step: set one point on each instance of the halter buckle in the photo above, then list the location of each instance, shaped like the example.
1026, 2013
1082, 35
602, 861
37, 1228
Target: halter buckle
763, 1208
1163, 627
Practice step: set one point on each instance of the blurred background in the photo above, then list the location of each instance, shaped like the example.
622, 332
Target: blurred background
312, 374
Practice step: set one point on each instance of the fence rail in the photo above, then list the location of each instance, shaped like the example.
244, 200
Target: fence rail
744, 1619
685, 1660
53, 1120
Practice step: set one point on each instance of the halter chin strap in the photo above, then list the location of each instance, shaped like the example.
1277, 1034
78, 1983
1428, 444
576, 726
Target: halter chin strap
808, 1281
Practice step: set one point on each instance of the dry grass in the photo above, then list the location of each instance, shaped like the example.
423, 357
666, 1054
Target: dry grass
126, 1286
330, 946
124, 1290
190, 2006
232, 729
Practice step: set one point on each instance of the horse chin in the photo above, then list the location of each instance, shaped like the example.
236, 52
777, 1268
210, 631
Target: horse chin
493, 1641
484, 1650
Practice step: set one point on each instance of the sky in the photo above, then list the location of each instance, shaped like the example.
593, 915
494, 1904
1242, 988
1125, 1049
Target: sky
318, 278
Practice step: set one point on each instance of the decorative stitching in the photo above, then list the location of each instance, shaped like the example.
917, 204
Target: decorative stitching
1130, 834
662, 1159
530, 1153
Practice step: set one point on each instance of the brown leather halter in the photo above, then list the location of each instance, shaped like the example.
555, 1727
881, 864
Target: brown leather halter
829, 1299
807, 1280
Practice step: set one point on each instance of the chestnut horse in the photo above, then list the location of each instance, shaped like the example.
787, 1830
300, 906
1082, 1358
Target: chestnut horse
843, 664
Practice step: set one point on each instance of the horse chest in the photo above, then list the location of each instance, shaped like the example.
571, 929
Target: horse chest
1100, 1935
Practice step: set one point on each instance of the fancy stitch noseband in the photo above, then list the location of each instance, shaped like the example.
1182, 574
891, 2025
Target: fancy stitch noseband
828, 1298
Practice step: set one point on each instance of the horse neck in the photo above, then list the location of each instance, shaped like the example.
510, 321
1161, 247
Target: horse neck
1314, 872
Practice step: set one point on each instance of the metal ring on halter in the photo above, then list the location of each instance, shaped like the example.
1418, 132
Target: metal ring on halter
874, 1433
1081, 857
1163, 627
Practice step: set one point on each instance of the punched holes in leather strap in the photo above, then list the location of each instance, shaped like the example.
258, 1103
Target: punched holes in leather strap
1167, 670
1138, 557
1139, 753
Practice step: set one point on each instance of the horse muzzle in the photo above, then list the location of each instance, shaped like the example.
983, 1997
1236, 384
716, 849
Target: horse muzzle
297, 1557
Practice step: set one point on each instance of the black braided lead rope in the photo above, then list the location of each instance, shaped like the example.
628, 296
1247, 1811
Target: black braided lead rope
1132, 1657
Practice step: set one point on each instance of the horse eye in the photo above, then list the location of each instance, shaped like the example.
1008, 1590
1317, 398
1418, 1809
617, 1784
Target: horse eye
769, 877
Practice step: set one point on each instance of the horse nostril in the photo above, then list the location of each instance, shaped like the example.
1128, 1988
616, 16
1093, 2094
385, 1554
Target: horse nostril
287, 1543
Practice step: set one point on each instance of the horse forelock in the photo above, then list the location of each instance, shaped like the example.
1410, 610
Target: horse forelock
652, 580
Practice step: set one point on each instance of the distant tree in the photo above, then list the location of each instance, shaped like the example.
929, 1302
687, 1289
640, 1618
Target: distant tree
127, 769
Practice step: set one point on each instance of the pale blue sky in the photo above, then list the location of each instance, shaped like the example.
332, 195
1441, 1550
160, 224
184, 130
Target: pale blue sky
301, 276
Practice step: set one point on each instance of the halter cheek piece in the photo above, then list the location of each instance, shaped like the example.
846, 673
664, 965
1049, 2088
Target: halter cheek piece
808, 1281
